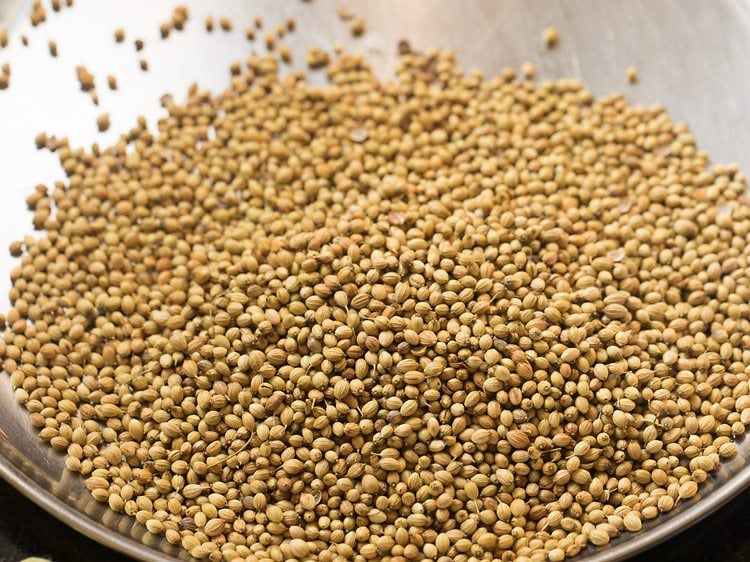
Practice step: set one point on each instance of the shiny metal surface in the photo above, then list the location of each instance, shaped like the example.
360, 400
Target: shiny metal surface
691, 55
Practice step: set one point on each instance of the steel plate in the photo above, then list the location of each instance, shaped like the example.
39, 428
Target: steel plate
693, 57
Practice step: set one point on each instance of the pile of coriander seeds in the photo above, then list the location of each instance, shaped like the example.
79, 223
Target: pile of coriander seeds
447, 318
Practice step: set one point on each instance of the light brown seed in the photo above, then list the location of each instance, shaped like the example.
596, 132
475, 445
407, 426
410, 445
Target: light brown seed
358, 27
551, 37
102, 122
518, 439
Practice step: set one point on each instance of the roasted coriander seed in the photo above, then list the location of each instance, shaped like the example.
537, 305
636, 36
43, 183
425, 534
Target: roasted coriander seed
445, 318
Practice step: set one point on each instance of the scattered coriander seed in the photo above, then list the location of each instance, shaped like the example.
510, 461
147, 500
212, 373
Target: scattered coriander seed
40, 140
528, 70
344, 326
404, 47
317, 57
258, 21
16, 248
143, 64
56, 5
102, 122
358, 27
225, 23
209, 23
119, 35
164, 29
270, 41
291, 24
551, 37
112, 82
180, 15
52, 48
85, 78
632, 74
38, 13
24, 40
345, 13
285, 53
3, 38
139, 44
250, 34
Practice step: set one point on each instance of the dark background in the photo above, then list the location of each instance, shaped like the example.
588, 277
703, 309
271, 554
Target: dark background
27, 530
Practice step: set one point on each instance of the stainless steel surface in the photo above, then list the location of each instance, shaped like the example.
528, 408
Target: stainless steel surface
693, 57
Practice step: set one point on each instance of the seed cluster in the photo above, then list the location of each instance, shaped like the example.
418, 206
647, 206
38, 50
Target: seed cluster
38, 13
86, 81
317, 57
446, 318
177, 22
